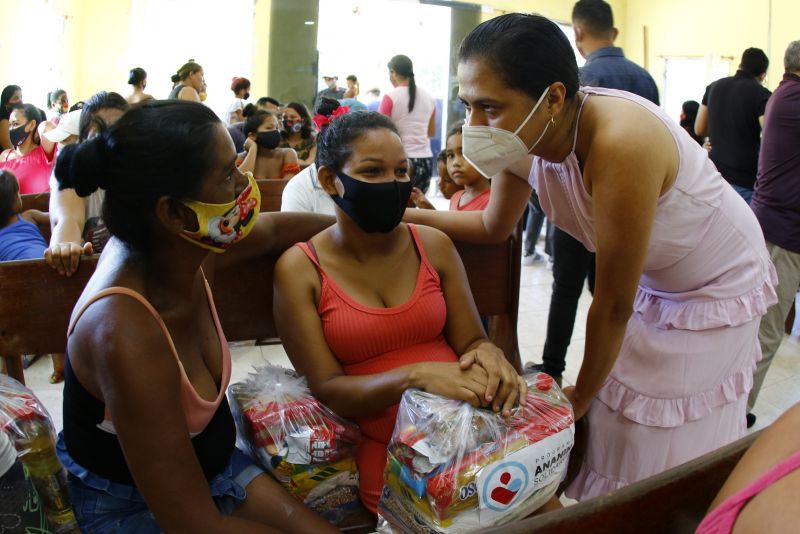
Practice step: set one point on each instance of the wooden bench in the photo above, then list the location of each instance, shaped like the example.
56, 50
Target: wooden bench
672, 502
35, 302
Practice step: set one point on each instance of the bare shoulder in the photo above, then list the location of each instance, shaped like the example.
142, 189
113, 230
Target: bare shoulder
294, 265
109, 342
438, 246
776, 443
622, 125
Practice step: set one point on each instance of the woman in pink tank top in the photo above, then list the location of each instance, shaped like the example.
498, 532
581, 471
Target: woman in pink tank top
760, 494
371, 307
149, 440
28, 159
682, 271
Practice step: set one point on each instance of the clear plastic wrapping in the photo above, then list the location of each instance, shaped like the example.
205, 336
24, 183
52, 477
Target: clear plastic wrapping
452, 468
28, 424
309, 449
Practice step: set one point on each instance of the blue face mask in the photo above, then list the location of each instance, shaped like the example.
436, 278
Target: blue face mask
373, 207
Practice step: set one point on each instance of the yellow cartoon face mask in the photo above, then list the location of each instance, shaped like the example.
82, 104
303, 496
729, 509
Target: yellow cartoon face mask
221, 225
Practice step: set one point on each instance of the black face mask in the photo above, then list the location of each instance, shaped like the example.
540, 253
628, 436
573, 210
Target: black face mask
18, 134
270, 139
373, 207
246, 96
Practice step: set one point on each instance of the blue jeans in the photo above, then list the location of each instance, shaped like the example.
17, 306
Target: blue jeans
744, 192
104, 506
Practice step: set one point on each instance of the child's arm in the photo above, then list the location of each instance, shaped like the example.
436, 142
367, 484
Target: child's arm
420, 200
36, 217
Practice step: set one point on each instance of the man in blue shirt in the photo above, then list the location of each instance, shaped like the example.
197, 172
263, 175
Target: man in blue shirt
607, 67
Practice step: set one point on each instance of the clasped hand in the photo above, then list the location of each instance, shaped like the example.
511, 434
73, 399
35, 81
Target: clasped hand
482, 377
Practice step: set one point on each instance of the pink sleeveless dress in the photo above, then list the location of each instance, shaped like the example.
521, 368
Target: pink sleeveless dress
679, 386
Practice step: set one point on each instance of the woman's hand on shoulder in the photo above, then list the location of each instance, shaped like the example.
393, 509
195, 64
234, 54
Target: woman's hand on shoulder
504, 386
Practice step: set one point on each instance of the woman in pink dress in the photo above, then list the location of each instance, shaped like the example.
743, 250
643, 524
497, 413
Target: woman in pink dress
683, 275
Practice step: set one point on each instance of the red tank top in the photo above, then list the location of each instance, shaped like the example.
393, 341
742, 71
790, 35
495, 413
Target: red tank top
368, 340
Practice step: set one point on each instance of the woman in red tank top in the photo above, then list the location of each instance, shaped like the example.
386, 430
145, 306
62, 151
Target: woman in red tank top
370, 307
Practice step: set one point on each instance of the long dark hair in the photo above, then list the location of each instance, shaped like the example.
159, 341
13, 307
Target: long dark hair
158, 148
527, 52
302, 110
8, 92
97, 102
403, 66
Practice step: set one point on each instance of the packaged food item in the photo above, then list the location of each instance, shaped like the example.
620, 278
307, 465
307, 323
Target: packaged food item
453, 468
28, 424
309, 449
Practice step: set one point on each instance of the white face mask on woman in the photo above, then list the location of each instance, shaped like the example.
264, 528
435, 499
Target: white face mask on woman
490, 150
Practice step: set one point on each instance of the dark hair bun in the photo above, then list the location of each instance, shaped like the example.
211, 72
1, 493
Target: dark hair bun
82, 167
175, 78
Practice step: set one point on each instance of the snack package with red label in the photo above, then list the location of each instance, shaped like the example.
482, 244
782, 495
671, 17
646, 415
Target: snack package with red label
309, 449
28, 425
453, 468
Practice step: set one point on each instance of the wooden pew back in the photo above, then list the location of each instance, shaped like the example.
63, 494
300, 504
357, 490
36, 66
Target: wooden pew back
674, 501
36, 303
271, 193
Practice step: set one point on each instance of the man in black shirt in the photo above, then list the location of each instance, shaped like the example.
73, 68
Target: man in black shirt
732, 114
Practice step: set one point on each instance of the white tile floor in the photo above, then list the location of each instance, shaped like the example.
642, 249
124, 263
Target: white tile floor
780, 391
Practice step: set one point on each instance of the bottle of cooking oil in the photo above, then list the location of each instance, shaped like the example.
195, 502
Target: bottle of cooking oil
35, 445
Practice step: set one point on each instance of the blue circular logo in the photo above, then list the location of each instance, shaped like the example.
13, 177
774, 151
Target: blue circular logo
504, 486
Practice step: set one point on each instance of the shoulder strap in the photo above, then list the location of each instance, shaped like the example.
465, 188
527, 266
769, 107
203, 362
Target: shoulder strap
418, 243
118, 290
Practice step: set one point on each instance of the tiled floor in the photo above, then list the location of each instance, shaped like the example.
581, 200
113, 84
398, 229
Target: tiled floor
781, 387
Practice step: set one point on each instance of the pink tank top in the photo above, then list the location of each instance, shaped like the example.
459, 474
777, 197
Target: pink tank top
197, 410
32, 170
722, 518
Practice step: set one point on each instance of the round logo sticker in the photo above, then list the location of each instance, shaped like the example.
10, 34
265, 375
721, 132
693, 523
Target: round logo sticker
503, 487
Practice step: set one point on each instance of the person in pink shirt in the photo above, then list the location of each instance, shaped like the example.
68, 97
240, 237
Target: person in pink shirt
27, 159
413, 110
761, 491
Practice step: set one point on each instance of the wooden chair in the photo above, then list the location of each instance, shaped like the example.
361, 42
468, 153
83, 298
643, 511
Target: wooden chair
672, 502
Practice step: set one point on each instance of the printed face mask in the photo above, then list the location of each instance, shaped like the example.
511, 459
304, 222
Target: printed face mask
373, 207
490, 150
18, 134
270, 139
292, 126
221, 225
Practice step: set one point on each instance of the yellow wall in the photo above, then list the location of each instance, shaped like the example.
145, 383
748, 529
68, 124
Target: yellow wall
710, 27
96, 34
560, 10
